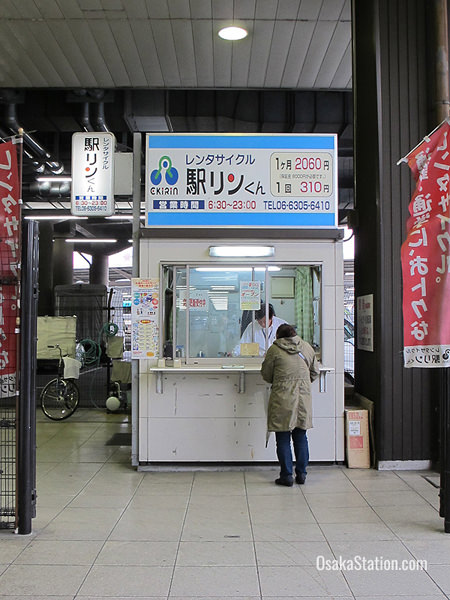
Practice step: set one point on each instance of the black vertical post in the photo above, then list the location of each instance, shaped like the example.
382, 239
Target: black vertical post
445, 453
26, 467
443, 439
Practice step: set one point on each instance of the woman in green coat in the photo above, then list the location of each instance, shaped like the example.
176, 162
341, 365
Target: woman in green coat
290, 365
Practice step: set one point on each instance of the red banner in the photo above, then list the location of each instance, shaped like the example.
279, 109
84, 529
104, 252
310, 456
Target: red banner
426, 255
9, 265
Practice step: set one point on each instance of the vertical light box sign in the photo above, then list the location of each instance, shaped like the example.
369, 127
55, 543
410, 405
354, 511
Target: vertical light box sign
92, 174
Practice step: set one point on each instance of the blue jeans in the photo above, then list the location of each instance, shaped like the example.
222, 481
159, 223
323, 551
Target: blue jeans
284, 454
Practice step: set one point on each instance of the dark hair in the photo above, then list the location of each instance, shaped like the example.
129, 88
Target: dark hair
286, 330
261, 313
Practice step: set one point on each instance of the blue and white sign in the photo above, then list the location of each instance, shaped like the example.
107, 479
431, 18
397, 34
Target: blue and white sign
92, 174
229, 180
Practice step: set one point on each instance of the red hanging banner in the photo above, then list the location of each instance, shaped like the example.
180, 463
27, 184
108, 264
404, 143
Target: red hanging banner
426, 255
9, 266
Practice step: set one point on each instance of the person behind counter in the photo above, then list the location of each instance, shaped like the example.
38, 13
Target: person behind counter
255, 332
290, 366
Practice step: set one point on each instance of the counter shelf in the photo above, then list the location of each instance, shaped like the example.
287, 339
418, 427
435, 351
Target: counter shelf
241, 369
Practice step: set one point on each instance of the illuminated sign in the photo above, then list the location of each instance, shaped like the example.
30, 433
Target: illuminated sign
203, 180
92, 174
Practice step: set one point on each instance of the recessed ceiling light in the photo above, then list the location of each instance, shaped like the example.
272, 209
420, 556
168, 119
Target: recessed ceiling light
233, 33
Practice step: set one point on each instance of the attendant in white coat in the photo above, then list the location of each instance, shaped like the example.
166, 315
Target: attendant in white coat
255, 332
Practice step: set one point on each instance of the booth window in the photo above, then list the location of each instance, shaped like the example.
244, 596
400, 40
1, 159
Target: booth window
207, 308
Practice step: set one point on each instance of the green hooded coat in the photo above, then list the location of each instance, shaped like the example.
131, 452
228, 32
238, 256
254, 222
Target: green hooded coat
290, 403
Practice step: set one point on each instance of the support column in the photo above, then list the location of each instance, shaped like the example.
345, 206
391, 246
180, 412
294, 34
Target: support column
390, 78
99, 271
62, 263
45, 303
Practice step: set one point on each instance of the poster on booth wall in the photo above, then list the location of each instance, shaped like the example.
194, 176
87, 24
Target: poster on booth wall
198, 300
246, 180
426, 255
144, 318
364, 322
9, 266
250, 295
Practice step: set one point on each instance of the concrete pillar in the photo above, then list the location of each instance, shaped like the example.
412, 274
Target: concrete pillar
62, 263
99, 271
45, 301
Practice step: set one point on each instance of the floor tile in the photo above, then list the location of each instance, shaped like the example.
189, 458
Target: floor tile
391, 582
191, 582
398, 499
127, 581
334, 500
280, 554
438, 596
433, 530
12, 546
435, 552
46, 552
407, 514
152, 554
230, 553
298, 581
440, 574
81, 524
287, 532
352, 515
357, 531
42, 580
141, 525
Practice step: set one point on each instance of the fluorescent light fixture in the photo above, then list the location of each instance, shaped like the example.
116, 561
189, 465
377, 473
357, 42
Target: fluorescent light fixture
53, 179
54, 218
233, 33
241, 251
123, 217
89, 241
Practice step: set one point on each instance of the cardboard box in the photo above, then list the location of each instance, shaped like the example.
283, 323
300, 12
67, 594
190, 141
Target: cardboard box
357, 438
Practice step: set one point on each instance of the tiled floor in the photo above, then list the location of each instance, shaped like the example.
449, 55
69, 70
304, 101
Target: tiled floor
104, 530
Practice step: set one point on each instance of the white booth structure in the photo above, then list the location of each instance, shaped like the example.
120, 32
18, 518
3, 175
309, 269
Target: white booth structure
205, 269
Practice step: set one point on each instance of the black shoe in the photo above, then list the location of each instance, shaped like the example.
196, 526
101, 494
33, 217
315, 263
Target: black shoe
300, 478
286, 482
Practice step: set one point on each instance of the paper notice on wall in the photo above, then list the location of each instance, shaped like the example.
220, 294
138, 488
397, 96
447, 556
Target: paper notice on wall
144, 318
250, 295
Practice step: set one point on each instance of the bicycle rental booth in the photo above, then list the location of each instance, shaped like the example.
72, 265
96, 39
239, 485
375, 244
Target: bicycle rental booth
234, 223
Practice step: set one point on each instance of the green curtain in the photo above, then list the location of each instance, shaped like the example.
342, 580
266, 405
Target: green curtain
304, 315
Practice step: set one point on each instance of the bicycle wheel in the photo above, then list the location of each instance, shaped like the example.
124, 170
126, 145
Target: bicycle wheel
59, 399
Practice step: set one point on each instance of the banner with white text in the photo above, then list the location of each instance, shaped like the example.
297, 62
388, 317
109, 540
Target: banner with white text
426, 255
9, 266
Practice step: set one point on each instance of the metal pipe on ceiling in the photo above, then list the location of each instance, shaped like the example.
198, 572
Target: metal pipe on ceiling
85, 119
11, 121
100, 121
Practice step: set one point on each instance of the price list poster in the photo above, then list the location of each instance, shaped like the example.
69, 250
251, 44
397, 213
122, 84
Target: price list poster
144, 317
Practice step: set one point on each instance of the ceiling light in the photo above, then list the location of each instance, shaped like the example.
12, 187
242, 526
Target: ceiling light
89, 241
125, 217
233, 33
53, 218
54, 179
241, 251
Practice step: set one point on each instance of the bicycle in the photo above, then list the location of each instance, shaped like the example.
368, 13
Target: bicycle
60, 397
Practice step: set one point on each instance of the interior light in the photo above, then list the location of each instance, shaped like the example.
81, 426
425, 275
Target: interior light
241, 251
90, 241
54, 179
53, 218
233, 33
126, 217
